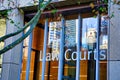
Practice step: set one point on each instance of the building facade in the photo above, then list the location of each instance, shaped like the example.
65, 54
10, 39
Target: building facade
68, 42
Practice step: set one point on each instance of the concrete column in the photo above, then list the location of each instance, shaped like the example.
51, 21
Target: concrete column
11, 59
114, 43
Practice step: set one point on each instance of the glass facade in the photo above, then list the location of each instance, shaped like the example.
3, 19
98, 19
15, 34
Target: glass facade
88, 50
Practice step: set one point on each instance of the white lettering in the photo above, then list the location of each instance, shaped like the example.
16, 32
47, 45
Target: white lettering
55, 56
40, 58
74, 56
84, 58
48, 57
102, 55
89, 52
66, 54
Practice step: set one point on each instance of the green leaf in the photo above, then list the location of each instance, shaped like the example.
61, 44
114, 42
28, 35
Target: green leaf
112, 15
12, 21
78, 2
105, 1
54, 11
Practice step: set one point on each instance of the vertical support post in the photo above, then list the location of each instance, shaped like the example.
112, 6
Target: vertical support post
113, 54
29, 57
78, 47
108, 33
21, 56
98, 47
61, 55
11, 58
44, 49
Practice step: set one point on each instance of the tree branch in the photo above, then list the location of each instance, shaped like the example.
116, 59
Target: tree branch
33, 23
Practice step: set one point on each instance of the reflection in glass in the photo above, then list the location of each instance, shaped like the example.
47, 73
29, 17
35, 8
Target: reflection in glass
88, 49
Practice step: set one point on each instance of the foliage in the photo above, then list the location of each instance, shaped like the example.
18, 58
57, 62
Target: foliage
102, 7
4, 13
33, 22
